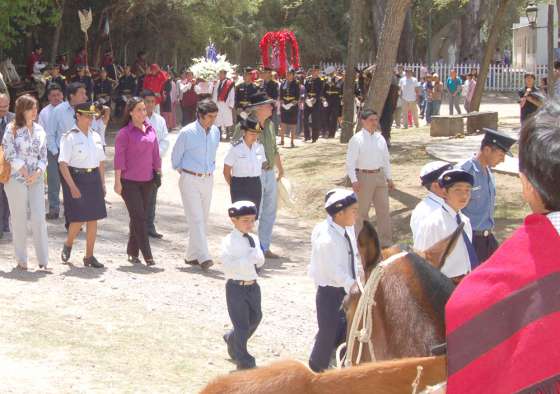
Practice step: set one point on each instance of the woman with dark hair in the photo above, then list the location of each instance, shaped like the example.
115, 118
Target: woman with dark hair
137, 169
25, 148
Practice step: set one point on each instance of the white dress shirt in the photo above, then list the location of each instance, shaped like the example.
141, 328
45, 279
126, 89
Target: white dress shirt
554, 218
239, 258
429, 204
439, 225
81, 151
44, 116
158, 122
99, 127
367, 151
330, 256
245, 161
408, 88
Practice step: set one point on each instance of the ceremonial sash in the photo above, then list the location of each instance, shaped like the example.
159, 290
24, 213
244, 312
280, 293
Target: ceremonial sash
224, 90
503, 319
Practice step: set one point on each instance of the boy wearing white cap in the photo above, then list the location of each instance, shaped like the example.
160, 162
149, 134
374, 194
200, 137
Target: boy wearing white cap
429, 175
241, 258
335, 270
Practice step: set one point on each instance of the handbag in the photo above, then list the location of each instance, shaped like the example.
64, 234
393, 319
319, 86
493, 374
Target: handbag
5, 167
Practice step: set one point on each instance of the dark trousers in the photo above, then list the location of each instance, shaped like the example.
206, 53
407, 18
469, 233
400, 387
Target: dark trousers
189, 115
312, 122
151, 215
244, 308
136, 196
484, 246
246, 189
4, 210
332, 326
332, 113
386, 121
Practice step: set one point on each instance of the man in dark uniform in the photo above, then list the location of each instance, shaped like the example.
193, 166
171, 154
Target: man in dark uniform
334, 87
84, 77
480, 210
244, 90
125, 89
56, 78
103, 87
314, 96
272, 90
289, 100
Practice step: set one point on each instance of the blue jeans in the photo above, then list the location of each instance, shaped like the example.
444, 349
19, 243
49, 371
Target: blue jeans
436, 105
53, 183
268, 208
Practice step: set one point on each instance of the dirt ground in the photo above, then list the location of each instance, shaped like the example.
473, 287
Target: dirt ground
136, 329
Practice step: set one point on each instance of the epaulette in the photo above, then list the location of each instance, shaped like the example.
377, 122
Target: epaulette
235, 143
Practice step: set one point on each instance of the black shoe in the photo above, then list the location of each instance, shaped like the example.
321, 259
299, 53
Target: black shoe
229, 346
92, 262
150, 262
191, 262
205, 265
65, 254
134, 260
155, 234
242, 367
52, 215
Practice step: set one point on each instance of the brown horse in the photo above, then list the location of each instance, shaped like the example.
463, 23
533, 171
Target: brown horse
408, 312
293, 377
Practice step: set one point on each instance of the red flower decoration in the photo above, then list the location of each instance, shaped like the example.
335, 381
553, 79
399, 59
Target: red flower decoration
278, 39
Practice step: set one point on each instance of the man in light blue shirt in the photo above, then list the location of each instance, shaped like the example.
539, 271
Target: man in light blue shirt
60, 121
194, 156
454, 87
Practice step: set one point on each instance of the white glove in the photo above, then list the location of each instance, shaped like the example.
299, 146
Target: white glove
310, 102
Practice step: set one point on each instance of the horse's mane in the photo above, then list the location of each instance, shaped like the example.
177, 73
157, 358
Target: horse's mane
436, 285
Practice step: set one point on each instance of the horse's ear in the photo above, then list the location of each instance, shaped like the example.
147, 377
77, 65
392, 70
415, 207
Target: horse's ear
437, 253
369, 246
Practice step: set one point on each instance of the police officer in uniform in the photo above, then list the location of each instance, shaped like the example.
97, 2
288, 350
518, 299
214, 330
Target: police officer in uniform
56, 78
244, 90
243, 164
272, 90
83, 182
289, 100
314, 96
83, 76
480, 210
103, 88
334, 87
125, 89
429, 175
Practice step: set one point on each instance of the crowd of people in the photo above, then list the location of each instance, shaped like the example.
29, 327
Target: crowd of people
68, 143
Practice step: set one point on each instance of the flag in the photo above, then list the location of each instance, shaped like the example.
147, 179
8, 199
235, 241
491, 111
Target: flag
106, 29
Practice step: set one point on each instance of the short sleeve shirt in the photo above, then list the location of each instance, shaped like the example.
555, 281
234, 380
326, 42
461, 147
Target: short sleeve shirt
245, 161
408, 87
81, 151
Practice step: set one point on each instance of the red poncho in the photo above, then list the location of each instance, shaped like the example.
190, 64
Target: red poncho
155, 82
503, 320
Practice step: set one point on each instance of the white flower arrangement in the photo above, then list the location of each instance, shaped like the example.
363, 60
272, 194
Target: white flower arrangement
208, 70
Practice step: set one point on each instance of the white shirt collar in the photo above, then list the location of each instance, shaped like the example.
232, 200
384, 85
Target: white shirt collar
450, 210
435, 197
339, 229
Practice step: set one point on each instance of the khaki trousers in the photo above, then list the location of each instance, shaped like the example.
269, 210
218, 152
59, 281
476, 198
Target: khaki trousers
413, 108
373, 188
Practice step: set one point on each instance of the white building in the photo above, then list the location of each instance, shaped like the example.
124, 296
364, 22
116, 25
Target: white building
529, 45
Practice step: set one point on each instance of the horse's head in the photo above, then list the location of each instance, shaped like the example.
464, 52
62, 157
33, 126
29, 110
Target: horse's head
437, 253
369, 246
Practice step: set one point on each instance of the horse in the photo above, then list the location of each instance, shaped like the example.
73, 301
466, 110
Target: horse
289, 376
3, 86
9, 72
405, 313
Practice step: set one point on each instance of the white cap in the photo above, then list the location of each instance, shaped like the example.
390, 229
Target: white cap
430, 172
242, 208
338, 199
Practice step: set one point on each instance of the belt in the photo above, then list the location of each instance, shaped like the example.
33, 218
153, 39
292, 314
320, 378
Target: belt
196, 173
82, 170
266, 166
482, 233
368, 171
243, 282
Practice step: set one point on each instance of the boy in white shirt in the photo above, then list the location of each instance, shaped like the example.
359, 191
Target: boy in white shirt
242, 257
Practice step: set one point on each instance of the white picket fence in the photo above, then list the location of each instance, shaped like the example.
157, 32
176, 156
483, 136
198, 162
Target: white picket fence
500, 78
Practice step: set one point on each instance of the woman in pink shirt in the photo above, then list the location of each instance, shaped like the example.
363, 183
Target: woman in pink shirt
137, 169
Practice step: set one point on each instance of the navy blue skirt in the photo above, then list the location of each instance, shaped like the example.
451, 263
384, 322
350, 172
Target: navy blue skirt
91, 205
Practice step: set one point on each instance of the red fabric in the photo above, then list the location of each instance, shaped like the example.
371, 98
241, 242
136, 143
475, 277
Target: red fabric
106, 61
31, 60
277, 40
532, 353
80, 60
190, 98
224, 92
156, 82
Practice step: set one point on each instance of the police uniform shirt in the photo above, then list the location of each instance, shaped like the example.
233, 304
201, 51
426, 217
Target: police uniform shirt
239, 258
99, 127
429, 204
103, 89
330, 256
314, 88
81, 151
441, 224
333, 90
480, 209
242, 93
289, 92
127, 85
270, 87
245, 161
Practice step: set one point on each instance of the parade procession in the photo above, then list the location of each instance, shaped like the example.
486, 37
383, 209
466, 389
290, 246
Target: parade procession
279, 197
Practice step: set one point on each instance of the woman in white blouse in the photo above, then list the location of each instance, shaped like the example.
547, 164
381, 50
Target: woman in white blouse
25, 148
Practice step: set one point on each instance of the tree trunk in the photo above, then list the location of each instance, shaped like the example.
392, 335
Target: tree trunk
356, 9
377, 14
488, 52
405, 53
471, 24
57, 31
393, 22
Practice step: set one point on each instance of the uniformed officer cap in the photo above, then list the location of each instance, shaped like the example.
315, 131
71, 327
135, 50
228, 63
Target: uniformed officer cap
86, 109
242, 208
250, 123
291, 70
248, 70
431, 171
338, 199
450, 177
259, 98
499, 140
